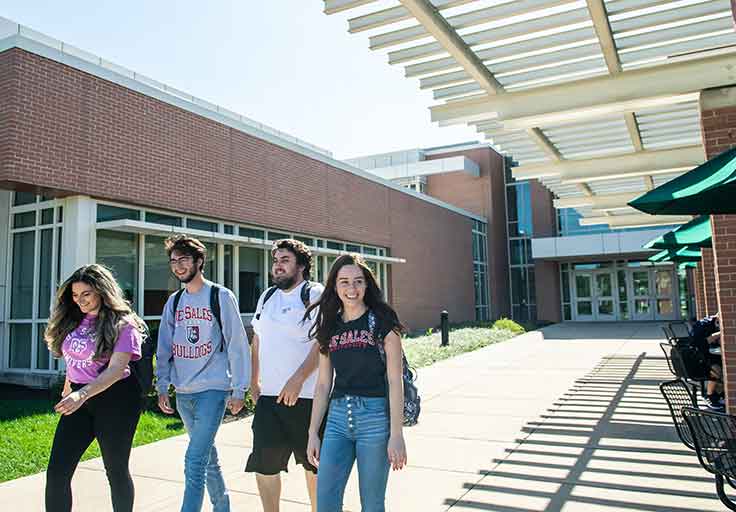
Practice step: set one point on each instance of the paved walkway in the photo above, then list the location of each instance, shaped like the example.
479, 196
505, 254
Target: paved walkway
568, 419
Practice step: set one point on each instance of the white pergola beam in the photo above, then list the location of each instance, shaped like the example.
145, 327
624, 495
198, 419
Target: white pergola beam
605, 36
624, 92
635, 220
394, 15
443, 33
541, 140
598, 202
610, 167
633, 127
333, 6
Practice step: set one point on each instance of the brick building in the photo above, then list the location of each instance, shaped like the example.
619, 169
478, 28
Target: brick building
99, 164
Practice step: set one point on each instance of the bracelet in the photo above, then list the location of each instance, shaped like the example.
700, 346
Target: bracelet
83, 393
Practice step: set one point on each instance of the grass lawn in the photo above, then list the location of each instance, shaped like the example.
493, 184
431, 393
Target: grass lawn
27, 430
426, 350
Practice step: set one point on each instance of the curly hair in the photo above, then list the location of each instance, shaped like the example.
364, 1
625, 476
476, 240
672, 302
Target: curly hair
298, 249
115, 312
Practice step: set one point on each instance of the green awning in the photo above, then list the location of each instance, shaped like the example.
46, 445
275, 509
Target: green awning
687, 264
709, 188
681, 255
695, 233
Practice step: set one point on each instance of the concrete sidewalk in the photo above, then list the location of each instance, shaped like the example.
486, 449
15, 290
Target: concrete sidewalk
567, 419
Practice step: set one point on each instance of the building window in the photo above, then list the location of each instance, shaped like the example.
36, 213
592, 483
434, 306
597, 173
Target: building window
119, 252
520, 230
158, 281
250, 277
35, 243
480, 270
140, 264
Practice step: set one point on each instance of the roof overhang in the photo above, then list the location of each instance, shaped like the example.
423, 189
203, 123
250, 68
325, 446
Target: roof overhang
151, 228
551, 82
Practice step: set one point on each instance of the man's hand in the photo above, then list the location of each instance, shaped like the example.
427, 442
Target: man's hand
235, 405
255, 390
290, 394
164, 404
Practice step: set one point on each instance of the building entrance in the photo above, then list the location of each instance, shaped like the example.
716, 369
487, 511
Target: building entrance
610, 294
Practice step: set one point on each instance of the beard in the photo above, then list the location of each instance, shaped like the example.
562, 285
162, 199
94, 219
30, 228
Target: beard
284, 282
187, 278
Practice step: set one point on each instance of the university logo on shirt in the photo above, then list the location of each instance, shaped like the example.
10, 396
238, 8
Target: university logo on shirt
192, 334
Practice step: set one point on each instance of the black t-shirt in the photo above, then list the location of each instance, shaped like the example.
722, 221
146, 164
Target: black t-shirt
354, 355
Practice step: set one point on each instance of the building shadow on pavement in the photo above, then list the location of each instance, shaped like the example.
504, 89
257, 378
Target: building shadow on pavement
607, 444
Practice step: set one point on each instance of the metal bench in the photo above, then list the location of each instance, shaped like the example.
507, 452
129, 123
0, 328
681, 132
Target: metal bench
714, 437
678, 395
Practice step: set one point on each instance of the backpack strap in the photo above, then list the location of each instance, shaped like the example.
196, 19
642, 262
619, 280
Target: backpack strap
269, 294
374, 331
215, 308
305, 294
177, 298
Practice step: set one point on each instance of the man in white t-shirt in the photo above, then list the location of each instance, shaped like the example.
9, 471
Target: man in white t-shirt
284, 372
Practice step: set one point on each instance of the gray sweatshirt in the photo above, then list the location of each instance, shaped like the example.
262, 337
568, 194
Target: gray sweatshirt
188, 354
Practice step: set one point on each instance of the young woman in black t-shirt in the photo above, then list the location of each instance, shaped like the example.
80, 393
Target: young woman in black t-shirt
352, 319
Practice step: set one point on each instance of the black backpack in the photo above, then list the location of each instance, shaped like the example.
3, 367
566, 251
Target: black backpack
412, 401
269, 293
689, 362
142, 369
214, 307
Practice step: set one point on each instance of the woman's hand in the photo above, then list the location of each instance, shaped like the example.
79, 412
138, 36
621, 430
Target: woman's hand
71, 402
397, 451
313, 447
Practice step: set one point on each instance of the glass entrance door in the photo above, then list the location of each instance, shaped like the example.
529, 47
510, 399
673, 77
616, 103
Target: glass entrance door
642, 295
605, 301
583, 296
664, 280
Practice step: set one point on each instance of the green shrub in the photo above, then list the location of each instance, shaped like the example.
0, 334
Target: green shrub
509, 325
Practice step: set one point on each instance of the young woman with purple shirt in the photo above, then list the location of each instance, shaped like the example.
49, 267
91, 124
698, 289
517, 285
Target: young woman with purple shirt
97, 333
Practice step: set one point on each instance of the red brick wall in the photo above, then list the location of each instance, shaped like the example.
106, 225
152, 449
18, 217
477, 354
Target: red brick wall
709, 282
547, 283
63, 131
485, 196
718, 125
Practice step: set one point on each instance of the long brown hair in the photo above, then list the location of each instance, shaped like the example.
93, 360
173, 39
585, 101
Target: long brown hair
330, 305
115, 312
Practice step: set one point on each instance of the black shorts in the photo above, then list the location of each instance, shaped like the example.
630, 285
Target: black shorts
279, 431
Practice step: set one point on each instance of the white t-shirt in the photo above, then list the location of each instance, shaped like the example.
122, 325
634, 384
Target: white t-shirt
284, 339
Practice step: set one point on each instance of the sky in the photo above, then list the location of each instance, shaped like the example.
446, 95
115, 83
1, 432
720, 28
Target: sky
280, 62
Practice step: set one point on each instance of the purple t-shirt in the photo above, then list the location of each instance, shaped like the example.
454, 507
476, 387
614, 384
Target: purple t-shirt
79, 349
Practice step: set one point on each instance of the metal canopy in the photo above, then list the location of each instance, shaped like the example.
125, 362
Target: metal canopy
568, 89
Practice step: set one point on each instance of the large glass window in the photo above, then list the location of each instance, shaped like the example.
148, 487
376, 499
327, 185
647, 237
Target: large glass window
119, 252
158, 280
250, 278
21, 297
35, 259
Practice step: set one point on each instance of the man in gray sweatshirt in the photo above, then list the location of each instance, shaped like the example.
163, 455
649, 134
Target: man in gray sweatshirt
203, 352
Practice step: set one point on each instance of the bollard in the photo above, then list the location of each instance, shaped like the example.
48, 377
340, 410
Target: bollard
445, 328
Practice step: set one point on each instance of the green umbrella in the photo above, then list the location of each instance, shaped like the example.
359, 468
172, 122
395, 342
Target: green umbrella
695, 233
683, 254
709, 188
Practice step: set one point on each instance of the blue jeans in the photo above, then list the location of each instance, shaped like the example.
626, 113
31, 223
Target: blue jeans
357, 428
202, 414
